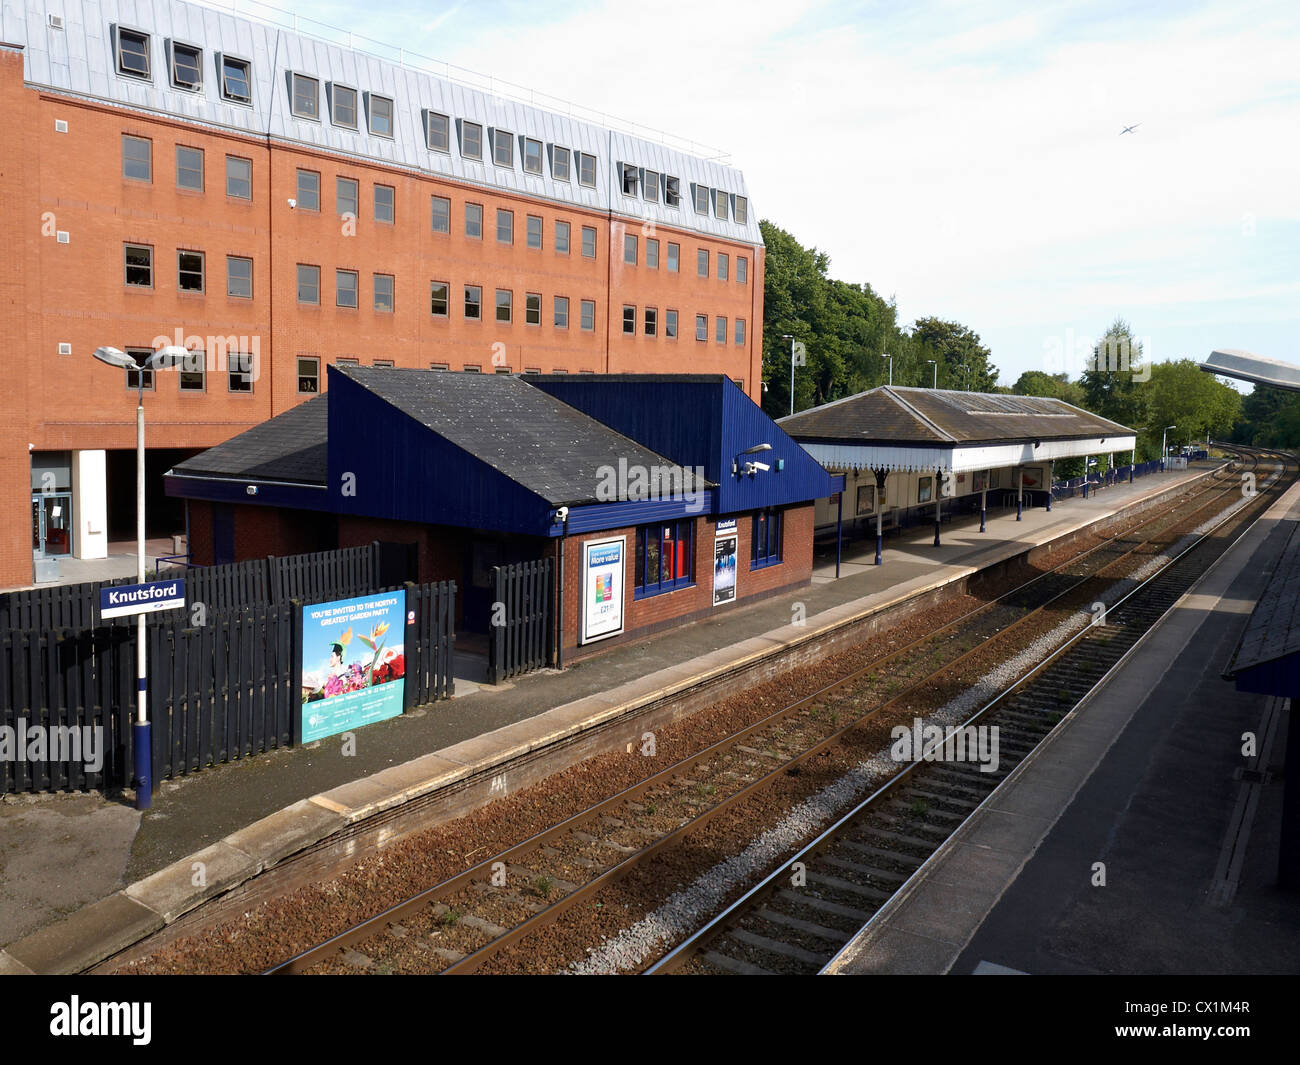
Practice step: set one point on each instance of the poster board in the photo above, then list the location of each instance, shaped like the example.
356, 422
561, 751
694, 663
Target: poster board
604, 563
353, 663
866, 503
726, 550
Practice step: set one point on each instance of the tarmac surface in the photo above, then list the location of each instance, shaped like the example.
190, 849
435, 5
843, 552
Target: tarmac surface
64, 852
1146, 778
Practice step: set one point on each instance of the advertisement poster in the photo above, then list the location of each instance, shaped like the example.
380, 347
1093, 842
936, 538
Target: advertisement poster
725, 548
602, 588
866, 499
353, 662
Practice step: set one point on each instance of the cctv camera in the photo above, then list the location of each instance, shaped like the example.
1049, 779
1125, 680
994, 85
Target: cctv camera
562, 514
763, 466
293, 203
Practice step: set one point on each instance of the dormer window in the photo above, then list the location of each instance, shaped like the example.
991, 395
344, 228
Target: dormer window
133, 54
721, 204
629, 179
559, 163
503, 148
343, 106
381, 115
532, 156
438, 130
742, 210
587, 170
672, 192
701, 199
235, 82
305, 102
187, 67
471, 140
650, 186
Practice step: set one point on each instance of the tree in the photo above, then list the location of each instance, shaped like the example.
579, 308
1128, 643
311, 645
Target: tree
1053, 386
1181, 394
963, 361
1110, 383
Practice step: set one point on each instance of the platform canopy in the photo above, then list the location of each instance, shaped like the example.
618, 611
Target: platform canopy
1230, 362
1267, 657
922, 429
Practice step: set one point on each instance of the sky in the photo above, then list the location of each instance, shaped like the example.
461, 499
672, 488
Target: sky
962, 158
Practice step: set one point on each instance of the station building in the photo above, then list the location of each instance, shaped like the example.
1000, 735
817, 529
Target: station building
659, 498
910, 454
280, 204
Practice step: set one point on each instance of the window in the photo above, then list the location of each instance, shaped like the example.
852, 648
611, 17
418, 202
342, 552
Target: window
701, 327
473, 302
560, 312
439, 366
742, 210
560, 163
650, 186
720, 329
139, 378
721, 202
344, 360
562, 238
587, 315
308, 284
471, 140
503, 148
137, 158
189, 271
740, 332
385, 203
239, 277
702, 262
672, 192
474, 220
742, 270
239, 372
439, 298
665, 557
651, 321
586, 170
765, 541
505, 304
438, 129
588, 242
670, 325
629, 320
383, 292
189, 168
381, 115
193, 376
532, 156
533, 308
535, 231
343, 110
384, 364
235, 82
652, 253
239, 178
724, 266
924, 489
348, 194
629, 179
133, 54
505, 226
629, 248
674, 254
701, 199
441, 211
187, 67
308, 376
472, 368
306, 96
345, 288
139, 265
309, 190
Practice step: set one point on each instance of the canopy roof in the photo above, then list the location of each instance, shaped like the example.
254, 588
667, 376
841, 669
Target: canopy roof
1244, 366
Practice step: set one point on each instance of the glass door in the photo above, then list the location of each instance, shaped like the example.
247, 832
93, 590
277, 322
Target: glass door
51, 524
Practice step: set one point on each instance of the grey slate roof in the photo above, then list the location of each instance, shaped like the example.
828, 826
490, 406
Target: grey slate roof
897, 415
289, 447
1273, 630
536, 440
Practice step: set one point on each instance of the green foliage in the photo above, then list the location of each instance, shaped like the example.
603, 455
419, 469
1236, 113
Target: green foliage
1270, 417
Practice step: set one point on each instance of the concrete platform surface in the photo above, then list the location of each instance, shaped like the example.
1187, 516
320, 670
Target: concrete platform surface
259, 810
1141, 785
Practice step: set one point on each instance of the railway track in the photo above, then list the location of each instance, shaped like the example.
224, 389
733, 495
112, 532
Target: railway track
463, 923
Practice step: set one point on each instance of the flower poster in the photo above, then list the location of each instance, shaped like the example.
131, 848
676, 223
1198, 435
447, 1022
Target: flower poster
353, 663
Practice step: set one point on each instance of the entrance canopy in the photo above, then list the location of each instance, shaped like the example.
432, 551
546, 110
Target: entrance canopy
1244, 366
922, 429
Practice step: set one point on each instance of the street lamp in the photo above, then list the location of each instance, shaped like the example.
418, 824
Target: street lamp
935, 364
1163, 437
159, 360
891, 366
790, 337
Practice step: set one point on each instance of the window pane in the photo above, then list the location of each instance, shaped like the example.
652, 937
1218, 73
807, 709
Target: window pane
588, 310
534, 231
702, 262
439, 298
629, 320
345, 288
562, 237
674, 253
629, 249
742, 270
503, 148
192, 371
189, 168
532, 156
345, 106
385, 203
533, 308
471, 140
189, 271
742, 210
383, 292
239, 277
701, 327
187, 67
308, 375
587, 169
305, 100
473, 220
473, 301
381, 116
721, 202
650, 187
348, 194
133, 53
139, 265
672, 192
505, 226
234, 80
651, 321
740, 331
560, 164
720, 330
239, 178
701, 199
309, 190
652, 254
439, 132
670, 325
239, 375
561, 308
588, 242
137, 158
308, 284
505, 302
441, 214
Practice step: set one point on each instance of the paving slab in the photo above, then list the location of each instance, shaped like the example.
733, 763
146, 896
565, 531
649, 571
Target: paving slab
183, 885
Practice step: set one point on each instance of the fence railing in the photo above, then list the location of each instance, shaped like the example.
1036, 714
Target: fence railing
520, 627
430, 642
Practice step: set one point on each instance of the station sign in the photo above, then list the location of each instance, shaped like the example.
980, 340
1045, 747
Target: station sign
126, 599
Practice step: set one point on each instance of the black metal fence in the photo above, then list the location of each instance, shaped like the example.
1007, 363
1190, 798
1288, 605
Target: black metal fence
430, 642
520, 634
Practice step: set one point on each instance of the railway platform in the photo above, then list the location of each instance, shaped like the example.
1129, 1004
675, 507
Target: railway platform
1138, 838
85, 875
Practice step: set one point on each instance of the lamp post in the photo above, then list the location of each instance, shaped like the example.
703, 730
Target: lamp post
891, 366
790, 337
1163, 436
162, 359
935, 364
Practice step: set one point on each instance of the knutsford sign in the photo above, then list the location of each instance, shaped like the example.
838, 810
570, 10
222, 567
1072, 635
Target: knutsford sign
141, 598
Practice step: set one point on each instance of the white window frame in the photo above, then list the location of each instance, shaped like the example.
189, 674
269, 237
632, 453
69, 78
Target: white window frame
229, 277
528, 231
532, 300
446, 287
582, 158
371, 99
650, 186
431, 118
704, 190
202, 167
392, 293
339, 274
722, 205
562, 246
141, 140
433, 213
306, 79
503, 137
464, 125
560, 320
740, 210
391, 220
583, 307
249, 162
177, 83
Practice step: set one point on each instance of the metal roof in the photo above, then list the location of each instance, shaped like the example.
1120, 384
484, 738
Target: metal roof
1231, 362
1273, 631
79, 59
924, 416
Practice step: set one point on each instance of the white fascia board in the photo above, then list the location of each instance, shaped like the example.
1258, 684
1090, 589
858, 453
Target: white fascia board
999, 456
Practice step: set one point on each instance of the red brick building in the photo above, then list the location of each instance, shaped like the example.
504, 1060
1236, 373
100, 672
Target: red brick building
278, 204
